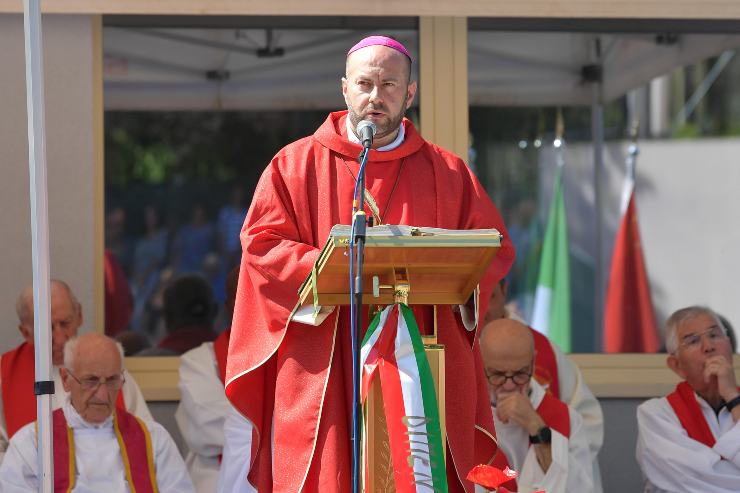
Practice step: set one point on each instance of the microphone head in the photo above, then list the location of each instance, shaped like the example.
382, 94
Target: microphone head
366, 131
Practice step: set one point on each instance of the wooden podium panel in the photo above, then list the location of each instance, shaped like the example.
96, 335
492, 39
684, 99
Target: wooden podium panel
379, 460
440, 268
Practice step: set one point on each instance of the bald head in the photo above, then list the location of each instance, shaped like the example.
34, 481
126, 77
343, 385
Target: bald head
66, 316
507, 340
93, 374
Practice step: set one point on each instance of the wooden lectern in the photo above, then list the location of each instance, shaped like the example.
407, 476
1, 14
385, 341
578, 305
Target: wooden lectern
403, 264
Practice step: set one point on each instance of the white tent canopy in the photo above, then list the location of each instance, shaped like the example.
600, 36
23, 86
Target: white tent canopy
298, 69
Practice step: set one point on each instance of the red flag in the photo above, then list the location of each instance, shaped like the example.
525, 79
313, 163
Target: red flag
629, 324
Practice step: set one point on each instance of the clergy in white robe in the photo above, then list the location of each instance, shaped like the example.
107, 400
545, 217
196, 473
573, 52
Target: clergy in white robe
17, 365
93, 460
201, 413
543, 439
689, 441
561, 376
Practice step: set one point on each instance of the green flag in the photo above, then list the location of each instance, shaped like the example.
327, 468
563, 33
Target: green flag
551, 313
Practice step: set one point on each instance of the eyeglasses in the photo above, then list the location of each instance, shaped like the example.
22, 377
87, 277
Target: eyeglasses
113, 383
500, 378
715, 333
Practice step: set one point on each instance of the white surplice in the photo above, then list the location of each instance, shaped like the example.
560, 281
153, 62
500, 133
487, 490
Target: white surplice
575, 393
673, 462
98, 460
571, 468
135, 403
200, 415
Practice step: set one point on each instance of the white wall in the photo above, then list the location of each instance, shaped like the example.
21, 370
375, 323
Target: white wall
69, 141
688, 213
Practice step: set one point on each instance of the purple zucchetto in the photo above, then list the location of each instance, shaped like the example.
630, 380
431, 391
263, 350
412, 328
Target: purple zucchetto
380, 41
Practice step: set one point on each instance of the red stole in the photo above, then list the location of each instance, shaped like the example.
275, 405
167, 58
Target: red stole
545, 364
684, 404
136, 452
17, 369
221, 351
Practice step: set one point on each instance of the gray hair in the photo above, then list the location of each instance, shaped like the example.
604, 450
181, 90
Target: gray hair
70, 348
681, 316
24, 304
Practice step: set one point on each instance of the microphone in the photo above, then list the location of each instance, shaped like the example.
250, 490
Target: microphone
366, 131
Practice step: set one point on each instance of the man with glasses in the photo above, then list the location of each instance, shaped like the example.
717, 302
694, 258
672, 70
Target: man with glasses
540, 437
690, 440
17, 365
97, 447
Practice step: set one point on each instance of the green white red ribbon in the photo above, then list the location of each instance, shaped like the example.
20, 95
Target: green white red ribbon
393, 350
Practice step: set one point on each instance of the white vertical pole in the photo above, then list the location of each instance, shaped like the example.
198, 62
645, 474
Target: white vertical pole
39, 233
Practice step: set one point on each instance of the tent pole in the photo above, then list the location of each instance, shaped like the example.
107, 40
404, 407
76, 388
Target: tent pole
39, 235
597, 135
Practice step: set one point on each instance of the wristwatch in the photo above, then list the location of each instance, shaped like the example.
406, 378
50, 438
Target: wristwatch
544, 435
733, 403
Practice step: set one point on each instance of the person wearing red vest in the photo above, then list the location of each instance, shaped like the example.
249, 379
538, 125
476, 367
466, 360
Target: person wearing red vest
292, 380
96, 446
17, 365
558, 375
689, 441
539, 436
203, 405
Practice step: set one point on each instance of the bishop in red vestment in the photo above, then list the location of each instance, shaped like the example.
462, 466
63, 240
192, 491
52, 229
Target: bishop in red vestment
294, 381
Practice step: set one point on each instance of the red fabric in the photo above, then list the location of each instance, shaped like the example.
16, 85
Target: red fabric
17, 378
545, 364
134, 436
18, 369
304, 191
501, 462
61, 451
138, 446
221, 350
119, 304
555, 414
684, 404
185, 339
629, 324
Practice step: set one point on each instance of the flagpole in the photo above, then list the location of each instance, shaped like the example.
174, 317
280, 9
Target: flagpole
44, 385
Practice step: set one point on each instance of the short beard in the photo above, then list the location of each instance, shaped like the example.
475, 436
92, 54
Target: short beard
382, 130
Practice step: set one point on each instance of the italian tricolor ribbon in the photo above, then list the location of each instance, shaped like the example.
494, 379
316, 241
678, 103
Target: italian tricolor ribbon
393, 350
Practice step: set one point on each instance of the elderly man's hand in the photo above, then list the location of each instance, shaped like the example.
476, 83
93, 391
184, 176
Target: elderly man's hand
516, 407
718, 367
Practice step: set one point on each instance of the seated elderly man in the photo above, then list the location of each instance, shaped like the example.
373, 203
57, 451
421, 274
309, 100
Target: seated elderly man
541, 437
17, 365
689, 441
559, 376
97, 447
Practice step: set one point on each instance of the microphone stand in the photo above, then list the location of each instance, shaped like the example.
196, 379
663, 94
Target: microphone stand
359, 227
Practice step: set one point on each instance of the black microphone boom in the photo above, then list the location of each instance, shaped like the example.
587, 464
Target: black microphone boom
366, 131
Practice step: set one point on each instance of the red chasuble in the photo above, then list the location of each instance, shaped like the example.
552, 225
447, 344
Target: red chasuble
134, 441
545, 364
301, 375
17, 371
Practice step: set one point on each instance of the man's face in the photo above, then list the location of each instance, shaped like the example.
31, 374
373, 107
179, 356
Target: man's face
699, 338
66, 318
377, 88
92, 400
514, 363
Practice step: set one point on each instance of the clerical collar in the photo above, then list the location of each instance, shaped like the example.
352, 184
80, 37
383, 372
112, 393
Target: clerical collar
396, 142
